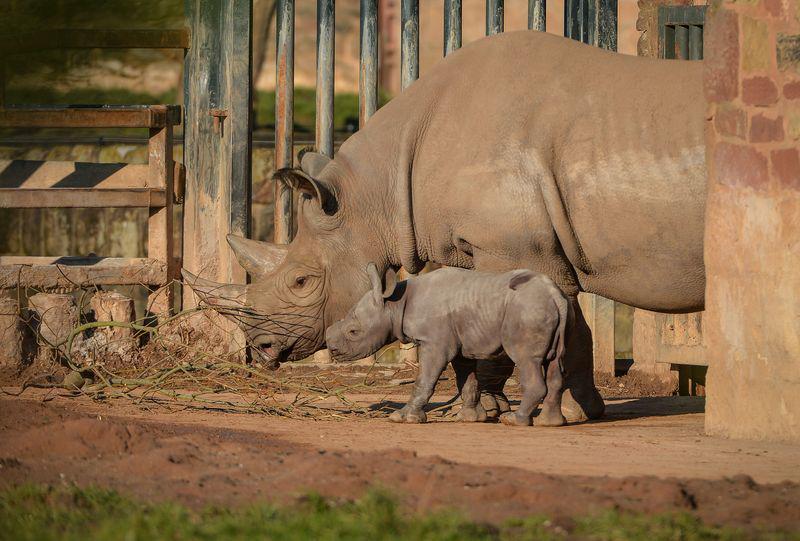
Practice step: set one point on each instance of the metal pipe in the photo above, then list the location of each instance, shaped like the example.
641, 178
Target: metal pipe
326, 41
452, 26
606, 31
537, 15
494, 17
409, 48
368, 68
284, 116
682, 42
695, 42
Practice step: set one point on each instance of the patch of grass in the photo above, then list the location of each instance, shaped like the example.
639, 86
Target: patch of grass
70, 513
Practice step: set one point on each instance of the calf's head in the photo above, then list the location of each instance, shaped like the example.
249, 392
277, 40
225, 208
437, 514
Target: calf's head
296, 290
368, 325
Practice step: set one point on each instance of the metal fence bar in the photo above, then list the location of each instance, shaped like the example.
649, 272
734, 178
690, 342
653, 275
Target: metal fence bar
695, 42
326, 40
368, 70
682, 42
284, 116
452, 26
409, 48
537, 15
606, 34
494, 17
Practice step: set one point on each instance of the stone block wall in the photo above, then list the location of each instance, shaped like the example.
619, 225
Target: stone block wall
752, 327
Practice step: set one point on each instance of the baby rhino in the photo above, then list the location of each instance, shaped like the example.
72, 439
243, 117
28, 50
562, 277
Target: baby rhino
458, 315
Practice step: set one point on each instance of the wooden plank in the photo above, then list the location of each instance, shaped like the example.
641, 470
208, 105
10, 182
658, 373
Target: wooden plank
452, 26
599, 314
77, 38
160, 234
24, 198
58, 272
135, 116
217, 75
52, 174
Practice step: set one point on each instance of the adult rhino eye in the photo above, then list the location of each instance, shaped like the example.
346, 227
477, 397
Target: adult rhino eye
300, 281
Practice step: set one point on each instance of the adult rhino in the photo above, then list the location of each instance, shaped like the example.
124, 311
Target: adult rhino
522, 150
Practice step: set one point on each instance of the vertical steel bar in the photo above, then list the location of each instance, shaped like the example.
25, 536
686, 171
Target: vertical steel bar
452, 26
368, 69
537, 15
695, 42
572, 15
326, 40
284, 116
682, 42
494, 17
409, 47
606, 25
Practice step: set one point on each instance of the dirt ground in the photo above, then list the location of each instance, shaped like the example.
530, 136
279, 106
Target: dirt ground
649, 454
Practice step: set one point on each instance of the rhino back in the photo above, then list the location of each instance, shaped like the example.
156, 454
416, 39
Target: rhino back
530, 150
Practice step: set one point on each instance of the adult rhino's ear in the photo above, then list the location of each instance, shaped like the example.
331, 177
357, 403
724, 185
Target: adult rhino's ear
214, 294
309, 187
312, 163
375, 281
257, 258
390, 283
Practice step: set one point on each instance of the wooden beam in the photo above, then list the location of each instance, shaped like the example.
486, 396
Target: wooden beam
133, 116
24, 198
599, 314
77, 38
36, 174
59, 272
217, 76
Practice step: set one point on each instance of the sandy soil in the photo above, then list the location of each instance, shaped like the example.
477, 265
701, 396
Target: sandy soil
648, 455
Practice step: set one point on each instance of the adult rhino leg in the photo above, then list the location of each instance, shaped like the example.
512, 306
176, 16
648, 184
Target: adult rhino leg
492, 376
581, 400
471, 410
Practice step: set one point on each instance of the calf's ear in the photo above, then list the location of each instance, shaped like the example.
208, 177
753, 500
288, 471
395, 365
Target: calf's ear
391, 283
319, 190
375, 282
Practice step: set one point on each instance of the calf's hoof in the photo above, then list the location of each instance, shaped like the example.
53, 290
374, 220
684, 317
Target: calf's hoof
583, 406
472, 415
408, 416
495, 404
512, 419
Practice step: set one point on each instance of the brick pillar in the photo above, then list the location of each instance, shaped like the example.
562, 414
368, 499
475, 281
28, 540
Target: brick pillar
752, 254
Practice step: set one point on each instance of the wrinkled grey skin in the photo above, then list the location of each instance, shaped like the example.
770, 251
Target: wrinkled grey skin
452, 313
522, 150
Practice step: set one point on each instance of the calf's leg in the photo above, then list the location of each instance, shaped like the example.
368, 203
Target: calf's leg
551, 415
533, 390
432, 363
471, 410
492, 376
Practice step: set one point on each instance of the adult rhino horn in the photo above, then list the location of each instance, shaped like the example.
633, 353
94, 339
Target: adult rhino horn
215, 294
312, 163
257, 257
316, 189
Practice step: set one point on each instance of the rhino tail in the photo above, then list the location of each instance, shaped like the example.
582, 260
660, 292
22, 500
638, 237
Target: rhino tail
565, 316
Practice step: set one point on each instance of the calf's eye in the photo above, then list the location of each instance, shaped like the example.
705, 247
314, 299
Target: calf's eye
300, 281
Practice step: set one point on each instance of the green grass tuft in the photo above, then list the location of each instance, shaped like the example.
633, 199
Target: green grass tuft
71, 513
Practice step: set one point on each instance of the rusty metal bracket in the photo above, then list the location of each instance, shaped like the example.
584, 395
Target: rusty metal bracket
219, 118
179, 182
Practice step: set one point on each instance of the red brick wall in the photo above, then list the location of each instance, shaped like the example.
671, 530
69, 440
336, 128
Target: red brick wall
752, 85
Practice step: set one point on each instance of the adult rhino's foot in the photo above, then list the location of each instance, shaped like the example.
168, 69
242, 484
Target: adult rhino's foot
408, 415
472, 415
549, 417
494, 404
578, 407
512, 419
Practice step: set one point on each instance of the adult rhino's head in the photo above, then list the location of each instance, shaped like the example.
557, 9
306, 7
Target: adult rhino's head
297, 290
